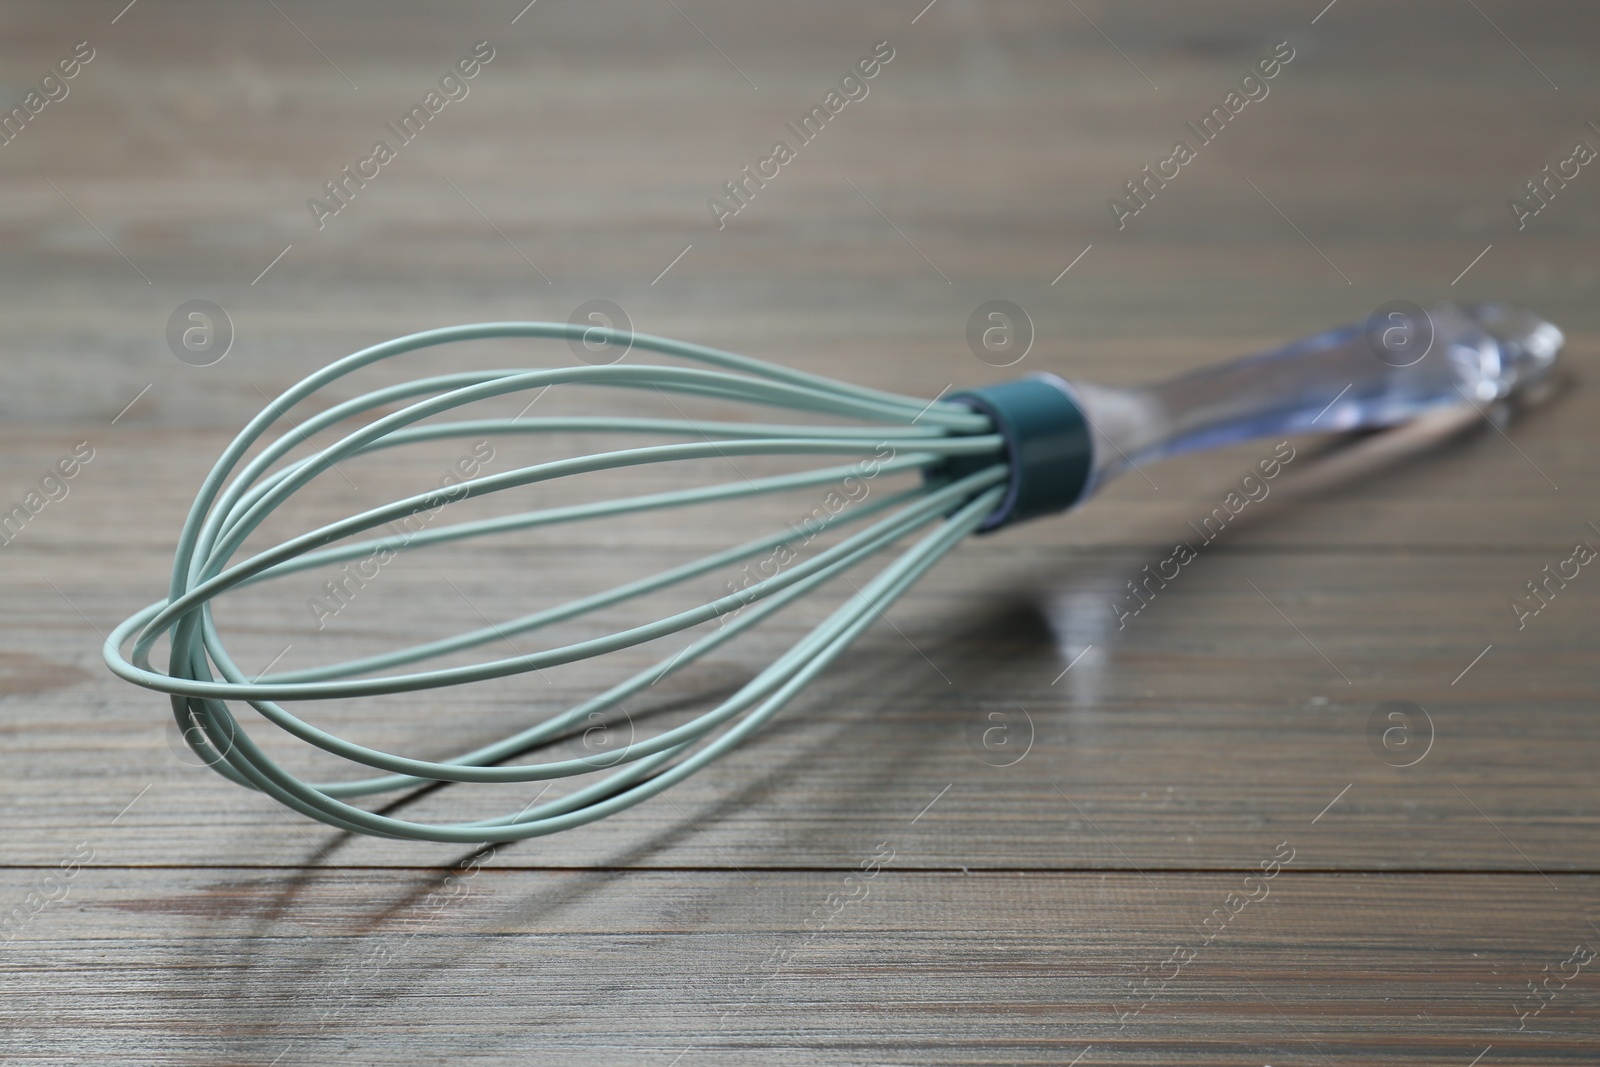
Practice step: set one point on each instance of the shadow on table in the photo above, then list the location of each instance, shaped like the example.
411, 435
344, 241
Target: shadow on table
288, 1006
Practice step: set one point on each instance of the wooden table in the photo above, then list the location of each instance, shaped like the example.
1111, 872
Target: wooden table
1085, 904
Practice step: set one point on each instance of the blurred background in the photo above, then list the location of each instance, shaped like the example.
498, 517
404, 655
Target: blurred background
580, 165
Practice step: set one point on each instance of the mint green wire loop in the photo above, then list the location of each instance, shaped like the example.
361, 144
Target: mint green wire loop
202, 679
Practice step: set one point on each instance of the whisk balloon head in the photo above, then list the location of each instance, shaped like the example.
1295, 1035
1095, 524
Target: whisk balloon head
958, 460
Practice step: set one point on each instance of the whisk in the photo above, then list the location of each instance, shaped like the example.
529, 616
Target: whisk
984, 458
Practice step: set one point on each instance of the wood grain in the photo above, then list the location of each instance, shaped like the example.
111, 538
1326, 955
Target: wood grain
240, 966
1031, 912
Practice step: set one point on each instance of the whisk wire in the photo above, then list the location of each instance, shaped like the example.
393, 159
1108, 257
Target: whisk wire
239, 494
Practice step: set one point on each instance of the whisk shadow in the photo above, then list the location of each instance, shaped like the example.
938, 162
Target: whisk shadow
982, 653
301, 1018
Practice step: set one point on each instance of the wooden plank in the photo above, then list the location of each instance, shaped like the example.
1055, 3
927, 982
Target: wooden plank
1157, 723
238, 966
1219, 710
